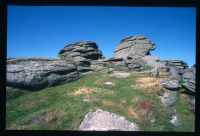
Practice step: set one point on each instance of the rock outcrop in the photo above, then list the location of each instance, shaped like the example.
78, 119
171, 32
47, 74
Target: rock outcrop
134, 47
81, 53
35, 74
189, 79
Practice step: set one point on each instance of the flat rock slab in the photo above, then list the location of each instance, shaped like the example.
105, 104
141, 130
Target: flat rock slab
170, 85
101, 120
121, 74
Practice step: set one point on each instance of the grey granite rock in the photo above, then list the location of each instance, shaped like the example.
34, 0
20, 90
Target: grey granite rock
81, 54
101, 120
35, 74
134, 47
153, 62
189, 79
170, 85
169, 98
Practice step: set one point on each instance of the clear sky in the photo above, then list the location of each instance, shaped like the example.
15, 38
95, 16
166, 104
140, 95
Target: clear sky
43, 31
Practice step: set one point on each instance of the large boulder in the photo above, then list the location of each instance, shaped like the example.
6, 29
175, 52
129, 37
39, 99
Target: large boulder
134, 47
81, 54
101, 120
35, 74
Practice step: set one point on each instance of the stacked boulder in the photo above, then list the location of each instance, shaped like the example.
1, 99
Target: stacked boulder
81, 54
36, 74
132, 49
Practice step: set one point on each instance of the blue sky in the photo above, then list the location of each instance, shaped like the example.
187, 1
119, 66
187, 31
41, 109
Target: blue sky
43, 31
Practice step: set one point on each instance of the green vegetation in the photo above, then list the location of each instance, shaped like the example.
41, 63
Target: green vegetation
62, 107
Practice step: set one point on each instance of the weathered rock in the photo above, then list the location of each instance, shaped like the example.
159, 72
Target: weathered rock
34, 74
190, 86
170, 85
178, 64
153, 62
101, 120
134, 47
81, 54
154, 72
88, 50
169, 98
100, 66
111, 60
173, 71
189, 79
175, 120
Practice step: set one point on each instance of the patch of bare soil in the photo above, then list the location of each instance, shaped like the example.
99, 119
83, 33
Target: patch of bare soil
142, 110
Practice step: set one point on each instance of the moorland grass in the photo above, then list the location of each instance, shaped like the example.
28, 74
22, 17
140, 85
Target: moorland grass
55, 108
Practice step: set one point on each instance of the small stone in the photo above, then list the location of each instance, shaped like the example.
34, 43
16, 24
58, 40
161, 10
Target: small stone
110, 83
86, 100
175, 120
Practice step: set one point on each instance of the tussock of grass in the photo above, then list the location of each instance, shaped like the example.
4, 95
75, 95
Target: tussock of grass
62, 107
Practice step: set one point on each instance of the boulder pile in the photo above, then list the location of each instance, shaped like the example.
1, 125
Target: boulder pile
81, 54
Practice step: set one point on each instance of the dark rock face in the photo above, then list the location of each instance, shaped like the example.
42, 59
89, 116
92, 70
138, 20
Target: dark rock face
189, 78
81, 53
35, 74
134, 47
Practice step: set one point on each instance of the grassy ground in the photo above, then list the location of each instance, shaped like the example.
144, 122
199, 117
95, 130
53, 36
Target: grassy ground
62, 107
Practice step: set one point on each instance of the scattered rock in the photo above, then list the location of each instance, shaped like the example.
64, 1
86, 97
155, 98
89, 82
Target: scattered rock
121, 74
36, 74
134, 47
175, 120
86, 100
109, 83
101, 120
169, 98
170, 85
